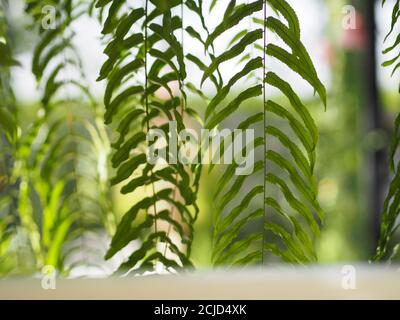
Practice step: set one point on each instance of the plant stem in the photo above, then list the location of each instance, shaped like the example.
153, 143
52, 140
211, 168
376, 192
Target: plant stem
265, 138
147, 109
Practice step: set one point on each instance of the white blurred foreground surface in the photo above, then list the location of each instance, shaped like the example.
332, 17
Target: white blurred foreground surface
334, 282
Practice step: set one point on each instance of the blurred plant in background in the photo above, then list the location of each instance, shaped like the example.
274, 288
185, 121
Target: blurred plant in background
61, 157
8, 139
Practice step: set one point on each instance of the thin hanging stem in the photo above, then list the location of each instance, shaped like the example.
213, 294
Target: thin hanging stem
183, 102
183, 107
146, 98
265, 125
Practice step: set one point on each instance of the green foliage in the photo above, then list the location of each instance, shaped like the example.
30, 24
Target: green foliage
143, 57
8, 138
54, 175
132, 103
289, 225
296, 230
393, 61
391, 209
62, 170
55, 184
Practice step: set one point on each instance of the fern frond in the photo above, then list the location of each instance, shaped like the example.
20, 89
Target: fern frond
296, 230
228, 246
391, 208
166, 208
289, 223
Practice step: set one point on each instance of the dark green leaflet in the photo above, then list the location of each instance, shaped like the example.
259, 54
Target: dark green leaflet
393, 61
234, 51
234, 105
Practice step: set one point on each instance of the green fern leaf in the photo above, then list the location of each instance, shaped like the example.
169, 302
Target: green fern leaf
386, 249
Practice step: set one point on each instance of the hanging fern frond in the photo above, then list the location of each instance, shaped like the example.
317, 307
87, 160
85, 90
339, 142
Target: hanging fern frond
391, 208
291, 214
298, 220
144, 57
228, 247
63, 156
394, 61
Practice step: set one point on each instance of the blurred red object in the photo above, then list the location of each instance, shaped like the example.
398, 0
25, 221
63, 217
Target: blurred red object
355, 39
